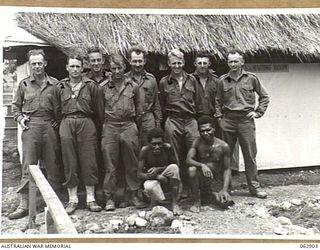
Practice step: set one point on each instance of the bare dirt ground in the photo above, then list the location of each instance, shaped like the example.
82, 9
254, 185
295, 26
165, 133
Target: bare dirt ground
292, 208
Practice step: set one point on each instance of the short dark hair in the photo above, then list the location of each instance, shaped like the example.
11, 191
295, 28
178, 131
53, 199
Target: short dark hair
203, 54
137, 49
117, 59
204, 119
35, 52
75, 56
235, 51
94, 49
155, 133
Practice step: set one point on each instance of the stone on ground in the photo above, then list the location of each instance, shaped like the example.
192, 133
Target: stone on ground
280, 230
296, 202
140, 222
284, 220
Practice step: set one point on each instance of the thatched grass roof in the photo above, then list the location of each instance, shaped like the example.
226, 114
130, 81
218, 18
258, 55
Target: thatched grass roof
292, 34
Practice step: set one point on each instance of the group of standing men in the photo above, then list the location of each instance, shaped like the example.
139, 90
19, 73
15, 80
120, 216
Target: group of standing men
103, 119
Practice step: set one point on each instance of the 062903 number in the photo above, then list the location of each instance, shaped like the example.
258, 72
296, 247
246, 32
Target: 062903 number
308, 246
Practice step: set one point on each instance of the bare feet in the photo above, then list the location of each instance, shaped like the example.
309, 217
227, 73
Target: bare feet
176, 209
195, 208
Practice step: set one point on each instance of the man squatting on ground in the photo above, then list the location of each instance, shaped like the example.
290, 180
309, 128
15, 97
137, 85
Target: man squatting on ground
158, 165
122, 109
80, 101
236, 110
179, 100
151, 113
36, 110
209, 162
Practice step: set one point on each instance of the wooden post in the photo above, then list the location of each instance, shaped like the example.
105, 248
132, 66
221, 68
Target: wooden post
49, 223
32, 203
58, 214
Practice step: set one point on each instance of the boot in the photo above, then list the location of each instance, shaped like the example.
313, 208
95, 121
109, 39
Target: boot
22, 210
110, 205
73, 200
256, 191
91, 202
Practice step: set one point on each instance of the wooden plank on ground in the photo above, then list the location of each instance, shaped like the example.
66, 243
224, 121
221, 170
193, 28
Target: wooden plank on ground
32, 202
61, 219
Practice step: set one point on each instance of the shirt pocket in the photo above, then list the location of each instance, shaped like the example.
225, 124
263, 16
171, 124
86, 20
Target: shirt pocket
228, 93
85, 102
172, 94
247, 92
31, 101
86, 98
108, 100
189, 93
65, 101
128, 101
46, 101
148, 95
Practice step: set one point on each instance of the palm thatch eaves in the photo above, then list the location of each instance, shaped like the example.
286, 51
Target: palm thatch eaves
291, 34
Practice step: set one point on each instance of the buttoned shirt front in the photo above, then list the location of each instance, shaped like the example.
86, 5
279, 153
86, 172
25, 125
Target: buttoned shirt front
87, 102
207, 93
184, 102
35, 99
122, 103
148, 93
239, 95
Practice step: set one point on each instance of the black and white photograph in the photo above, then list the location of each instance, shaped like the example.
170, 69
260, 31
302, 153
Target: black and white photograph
195, 123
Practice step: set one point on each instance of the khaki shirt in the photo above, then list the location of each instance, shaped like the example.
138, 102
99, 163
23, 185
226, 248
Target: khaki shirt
149, 93
184, 103
34, 100
88, 101
240, 95
121, 104
207, 94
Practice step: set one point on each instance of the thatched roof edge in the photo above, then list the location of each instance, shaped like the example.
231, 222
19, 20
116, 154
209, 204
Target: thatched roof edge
292, 34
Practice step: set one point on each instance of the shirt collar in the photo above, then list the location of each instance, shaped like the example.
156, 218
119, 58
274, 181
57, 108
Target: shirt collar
90, 74
111, 83
47, 79
171, 77
144, 74
210, 73
243, 72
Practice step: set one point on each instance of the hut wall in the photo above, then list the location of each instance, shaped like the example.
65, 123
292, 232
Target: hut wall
288, 135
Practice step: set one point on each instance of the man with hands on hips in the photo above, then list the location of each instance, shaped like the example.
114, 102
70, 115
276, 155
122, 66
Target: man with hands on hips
236, 109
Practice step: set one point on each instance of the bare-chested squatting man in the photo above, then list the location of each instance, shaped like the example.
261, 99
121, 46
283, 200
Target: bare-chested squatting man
208, 163
158, 166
